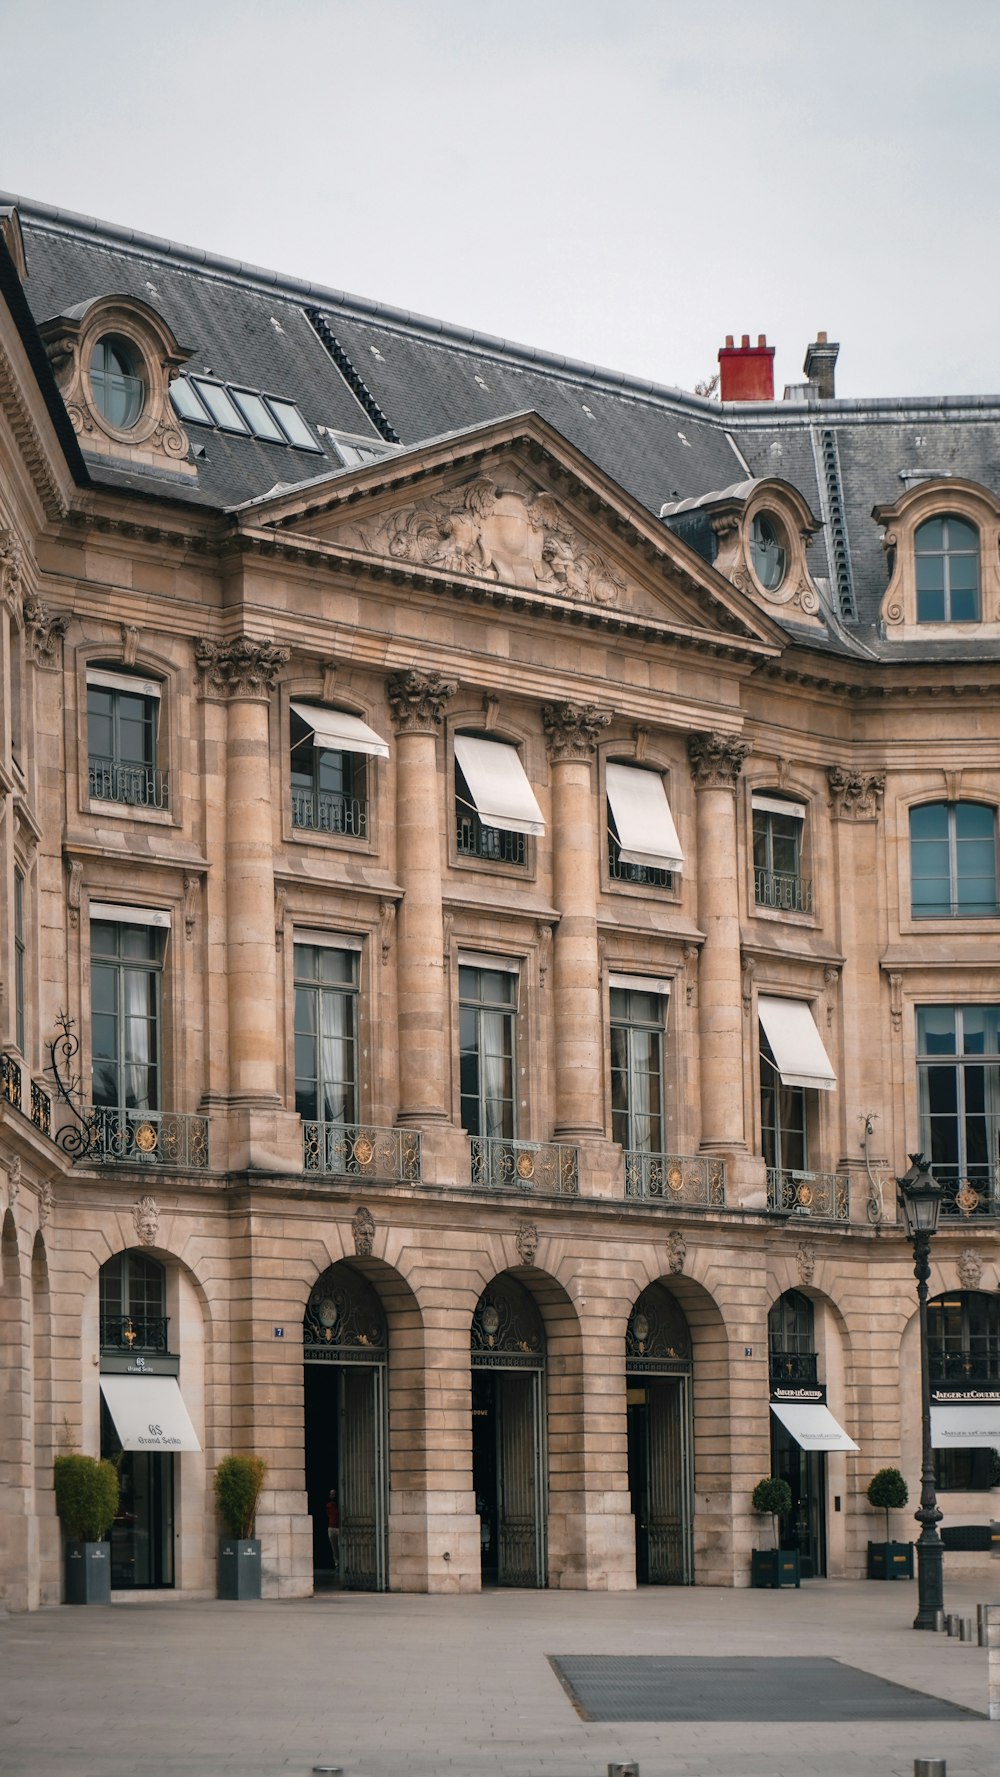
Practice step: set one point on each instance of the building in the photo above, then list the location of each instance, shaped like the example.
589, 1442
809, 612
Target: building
499, 869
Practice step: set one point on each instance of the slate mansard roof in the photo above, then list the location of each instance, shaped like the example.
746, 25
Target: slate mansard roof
362, 368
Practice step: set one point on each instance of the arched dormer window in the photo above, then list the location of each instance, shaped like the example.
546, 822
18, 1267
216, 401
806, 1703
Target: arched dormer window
330, 749
946, 559
953, 860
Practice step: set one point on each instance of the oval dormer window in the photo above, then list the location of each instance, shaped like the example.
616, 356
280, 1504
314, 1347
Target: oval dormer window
767, 548
117, 382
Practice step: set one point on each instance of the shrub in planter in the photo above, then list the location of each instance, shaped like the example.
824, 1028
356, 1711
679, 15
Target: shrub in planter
238, 1481
773, 1566
888, 1560
87, 1501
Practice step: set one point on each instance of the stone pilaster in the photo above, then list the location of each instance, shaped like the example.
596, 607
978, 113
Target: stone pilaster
716, 762
571, 732
417, 701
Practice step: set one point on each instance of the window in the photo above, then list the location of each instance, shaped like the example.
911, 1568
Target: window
958, 1065
963, 1348
116, 381
201, 401
768, 551
495, 806
778, 827
487, 1005
782, 1117
638, 1019
326, 1033
953, 859
643, 846
946, 553
329, 775
791, 1339
19, 957
126, 963
122, 732
133, 1303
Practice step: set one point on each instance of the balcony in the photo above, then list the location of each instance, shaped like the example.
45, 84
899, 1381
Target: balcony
10, 1081
971, 1195
132, 1333
341, 1150
12, 1091
41, 1109
786, 894
549, 1168
646, 874
793, 1369
323, 811
681, 1180
144, 1138
822, 1196
495, 844
136, 786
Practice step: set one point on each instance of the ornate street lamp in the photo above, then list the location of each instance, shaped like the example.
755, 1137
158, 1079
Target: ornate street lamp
919, 1197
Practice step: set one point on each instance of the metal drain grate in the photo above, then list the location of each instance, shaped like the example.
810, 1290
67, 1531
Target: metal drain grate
685, 1687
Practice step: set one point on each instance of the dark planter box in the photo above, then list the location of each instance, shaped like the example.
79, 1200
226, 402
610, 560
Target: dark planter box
88, 1573
774, 1567
890, 1561
239, 1568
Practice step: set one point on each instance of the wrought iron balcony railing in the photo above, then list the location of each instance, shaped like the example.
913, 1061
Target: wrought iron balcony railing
10, 1081
824, 1195
142, 1138
547, 1167
12, 1089
138, 786
976, 1367
689, 1182
325, 812
647, 874
134, 1332
793, 1368
41, 1109
789, 894
969, 1194
342, 1150
496, 844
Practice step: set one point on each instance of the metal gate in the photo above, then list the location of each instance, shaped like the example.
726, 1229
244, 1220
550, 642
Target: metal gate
658, 1376
345, 1327
508, 1342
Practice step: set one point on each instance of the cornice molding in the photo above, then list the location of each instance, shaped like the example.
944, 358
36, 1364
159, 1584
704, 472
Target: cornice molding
29, 439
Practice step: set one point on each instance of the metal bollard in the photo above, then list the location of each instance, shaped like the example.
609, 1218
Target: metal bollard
981, 1624
965, 1630
951, 1623
930, 1767
939, 1621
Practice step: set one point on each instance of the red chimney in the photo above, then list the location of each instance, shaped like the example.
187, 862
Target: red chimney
746, 372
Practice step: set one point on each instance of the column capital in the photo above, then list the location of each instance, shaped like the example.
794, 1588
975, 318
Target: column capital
571, 729
855, 795
716, 760
242, 667
417, 700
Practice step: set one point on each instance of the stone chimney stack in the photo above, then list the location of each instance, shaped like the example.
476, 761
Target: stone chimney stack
746, 372
820, 365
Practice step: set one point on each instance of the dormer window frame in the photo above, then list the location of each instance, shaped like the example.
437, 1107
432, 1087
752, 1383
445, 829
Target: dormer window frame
141, 340
939, 498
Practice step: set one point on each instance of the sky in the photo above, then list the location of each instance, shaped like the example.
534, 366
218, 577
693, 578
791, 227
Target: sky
622, 181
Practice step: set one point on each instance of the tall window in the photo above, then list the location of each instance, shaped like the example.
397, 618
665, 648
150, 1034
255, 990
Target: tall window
133, 1303
329, 792
126, 975
946, 552
953, 859
963, 1348
791, 1336
777, 855
122, 722
637, 1028
487, 1007
782, 1117
958, 1061
19, 956
326, 1034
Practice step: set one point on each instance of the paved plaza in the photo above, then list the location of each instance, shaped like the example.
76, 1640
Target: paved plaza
408, 1686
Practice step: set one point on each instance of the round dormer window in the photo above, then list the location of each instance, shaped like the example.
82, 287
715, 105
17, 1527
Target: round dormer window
768, 550
117, 381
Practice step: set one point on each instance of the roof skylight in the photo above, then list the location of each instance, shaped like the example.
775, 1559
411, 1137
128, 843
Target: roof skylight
203, 402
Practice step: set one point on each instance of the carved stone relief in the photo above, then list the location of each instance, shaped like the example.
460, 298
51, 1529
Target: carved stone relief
571, 729
417, 700
46, 1198
363, 1230
805, 1259
970, 1268
855, 795
676, 1252
526, 1241
43, 633
14, 1180
240, 668
146, 1220
716, 760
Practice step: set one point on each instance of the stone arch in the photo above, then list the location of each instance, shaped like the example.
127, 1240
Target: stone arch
47, 1588
16, 1475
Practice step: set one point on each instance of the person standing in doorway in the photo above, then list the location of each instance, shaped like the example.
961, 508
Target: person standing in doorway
333, 1528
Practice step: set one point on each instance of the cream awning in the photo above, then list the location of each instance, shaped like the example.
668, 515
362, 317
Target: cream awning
646, 831
796, 1044
149, 1413
498, 785
956, 1428
812, 1425
337, 731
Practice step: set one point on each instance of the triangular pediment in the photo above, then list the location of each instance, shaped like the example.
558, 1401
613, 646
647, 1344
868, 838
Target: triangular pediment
514, 507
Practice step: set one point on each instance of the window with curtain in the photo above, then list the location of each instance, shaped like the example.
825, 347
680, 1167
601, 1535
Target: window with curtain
326, 1034
782, 1117
958, 1067
122, 729
329, 786
778, 827
487, 1009
637, 1030
953, 860
126, 973
946, 556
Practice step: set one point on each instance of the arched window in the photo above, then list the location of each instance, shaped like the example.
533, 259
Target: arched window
953, 859
117, 381
133, 1303
946, 554
791, 1339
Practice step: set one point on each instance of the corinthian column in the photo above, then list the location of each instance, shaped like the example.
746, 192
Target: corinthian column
241, 675
417, 703
716, 763
571, 731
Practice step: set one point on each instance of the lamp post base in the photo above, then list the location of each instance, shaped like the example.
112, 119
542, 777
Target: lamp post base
930, 1578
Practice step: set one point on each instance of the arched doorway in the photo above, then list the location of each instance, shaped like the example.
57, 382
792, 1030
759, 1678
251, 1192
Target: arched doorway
345, 1352
134, 1336
794, 1375
658, 1390
508, 1434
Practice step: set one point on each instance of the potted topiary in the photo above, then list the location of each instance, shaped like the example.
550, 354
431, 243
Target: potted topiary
238, 1481
87, 1501
888, 1492
773, 1566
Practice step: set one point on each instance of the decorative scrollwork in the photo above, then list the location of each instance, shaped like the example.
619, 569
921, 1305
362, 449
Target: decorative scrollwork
658, 1335
344, 1313
507, 1326
78, 1139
